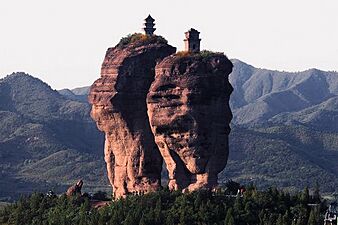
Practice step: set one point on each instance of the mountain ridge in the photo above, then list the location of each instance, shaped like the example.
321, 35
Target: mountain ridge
37, 122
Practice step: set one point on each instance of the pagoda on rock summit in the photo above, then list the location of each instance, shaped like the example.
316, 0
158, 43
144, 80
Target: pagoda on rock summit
149, 26
192, 41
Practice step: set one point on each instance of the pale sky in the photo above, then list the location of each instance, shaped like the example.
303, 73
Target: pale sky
63, 42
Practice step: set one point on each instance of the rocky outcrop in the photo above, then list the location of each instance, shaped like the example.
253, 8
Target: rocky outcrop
119, 108
75, 189
188, 108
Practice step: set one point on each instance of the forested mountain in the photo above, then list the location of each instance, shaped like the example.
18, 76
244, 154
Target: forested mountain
264, 96
46, 140
291, 157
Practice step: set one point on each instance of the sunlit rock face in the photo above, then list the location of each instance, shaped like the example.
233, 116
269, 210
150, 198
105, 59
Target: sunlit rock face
188, 108
119, 108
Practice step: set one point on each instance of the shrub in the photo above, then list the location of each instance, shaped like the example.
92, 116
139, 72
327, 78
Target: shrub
183, 54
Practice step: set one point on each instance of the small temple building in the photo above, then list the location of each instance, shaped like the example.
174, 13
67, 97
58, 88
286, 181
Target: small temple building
192, 41
149, 26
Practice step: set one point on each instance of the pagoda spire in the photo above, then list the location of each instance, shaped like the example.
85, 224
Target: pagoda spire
149, 25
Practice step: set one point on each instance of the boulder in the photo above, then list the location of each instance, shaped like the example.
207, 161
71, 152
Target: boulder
75, 189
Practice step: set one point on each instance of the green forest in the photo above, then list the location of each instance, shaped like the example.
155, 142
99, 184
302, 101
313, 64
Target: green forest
269, 207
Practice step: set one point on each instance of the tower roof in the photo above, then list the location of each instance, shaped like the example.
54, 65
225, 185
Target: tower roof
149, 19
192, 33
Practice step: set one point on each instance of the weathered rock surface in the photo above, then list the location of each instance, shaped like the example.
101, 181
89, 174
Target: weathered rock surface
75, 189
119, 107
188, 108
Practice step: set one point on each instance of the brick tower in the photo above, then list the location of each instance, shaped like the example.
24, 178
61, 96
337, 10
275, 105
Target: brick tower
192, 40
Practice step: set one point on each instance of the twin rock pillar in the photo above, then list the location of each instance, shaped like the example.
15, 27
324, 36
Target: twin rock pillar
152, 105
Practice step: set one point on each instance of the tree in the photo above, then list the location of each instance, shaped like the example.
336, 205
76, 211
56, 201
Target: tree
158, 211
229, 218
286, 218
238, 205
305, 196
279, 220
316, 194
169, 219
312, 218
130, 220
142, 221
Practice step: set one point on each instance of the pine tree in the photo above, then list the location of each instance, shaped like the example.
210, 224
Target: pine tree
312, 218
169, 219
183, 218
231, 221
158, 211
261, 217
142, 221
316, 194
305, 196
229, 218
130, 220
238, 205
279, 220
286, 218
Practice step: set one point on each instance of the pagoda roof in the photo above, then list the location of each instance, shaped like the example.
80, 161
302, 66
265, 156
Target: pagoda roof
192, 30
149, 19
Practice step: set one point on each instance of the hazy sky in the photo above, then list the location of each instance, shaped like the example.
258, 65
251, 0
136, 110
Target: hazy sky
63, 42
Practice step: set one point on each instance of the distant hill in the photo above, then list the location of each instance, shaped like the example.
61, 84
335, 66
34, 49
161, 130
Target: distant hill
264, 96
291, 157
77, 94
46, 140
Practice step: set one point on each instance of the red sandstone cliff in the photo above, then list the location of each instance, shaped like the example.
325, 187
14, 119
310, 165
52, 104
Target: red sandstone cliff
188, 108
119, 107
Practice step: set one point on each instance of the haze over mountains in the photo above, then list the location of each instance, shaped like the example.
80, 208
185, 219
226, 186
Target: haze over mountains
284, 133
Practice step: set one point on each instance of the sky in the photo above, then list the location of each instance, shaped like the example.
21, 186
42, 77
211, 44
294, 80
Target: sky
63, 42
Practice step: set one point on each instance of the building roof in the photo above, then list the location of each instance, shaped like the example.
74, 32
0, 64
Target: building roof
192, 31
149, 19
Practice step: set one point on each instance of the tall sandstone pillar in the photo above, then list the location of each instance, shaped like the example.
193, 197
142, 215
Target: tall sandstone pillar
119, 108
188, 108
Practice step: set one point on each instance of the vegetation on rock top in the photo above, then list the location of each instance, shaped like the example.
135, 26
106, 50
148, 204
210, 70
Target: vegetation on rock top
202, 54
139, 39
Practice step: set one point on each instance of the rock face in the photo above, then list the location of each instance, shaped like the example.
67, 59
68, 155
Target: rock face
188, 108
75, 189
119, 108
